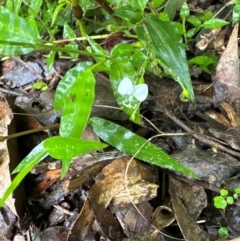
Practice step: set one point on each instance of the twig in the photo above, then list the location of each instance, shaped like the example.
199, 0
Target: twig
203, 138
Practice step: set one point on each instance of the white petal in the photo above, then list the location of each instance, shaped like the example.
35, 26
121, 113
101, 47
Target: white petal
140, 92
125, 87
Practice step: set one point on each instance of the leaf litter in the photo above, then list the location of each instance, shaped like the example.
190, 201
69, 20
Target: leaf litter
91, 199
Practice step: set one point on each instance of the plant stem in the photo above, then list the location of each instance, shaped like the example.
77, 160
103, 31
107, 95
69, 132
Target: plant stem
23, 133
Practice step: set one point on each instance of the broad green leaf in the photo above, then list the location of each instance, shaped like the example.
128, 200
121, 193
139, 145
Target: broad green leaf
134, 145
15, 29
67, 148
78, 105
170, 51
214, 23
171, 7
129, 14
66, 83
26, 165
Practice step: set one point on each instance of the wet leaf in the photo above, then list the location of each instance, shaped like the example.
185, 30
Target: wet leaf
67, 148
15, 29
214, 23
129, 14
78, 105
170, 51
66, 83
26, 165
130, 143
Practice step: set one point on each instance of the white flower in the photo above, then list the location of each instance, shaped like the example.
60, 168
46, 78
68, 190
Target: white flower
139, 91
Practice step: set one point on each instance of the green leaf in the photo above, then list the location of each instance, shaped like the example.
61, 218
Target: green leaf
170, 51
26, 165
230, 200
235, 196
185, 12
35, 7
15, 29
141, 4
157, 3
129, 14
50, 60
206, 15
220, 202
66, 148
40, 85
130, 143
223, 232
224, 192
171, 8
236, 13
120, 68
237, 190
163, 17
56, 12
97, 48
68, 33
214, 23
78, 105
195, 21
66, 83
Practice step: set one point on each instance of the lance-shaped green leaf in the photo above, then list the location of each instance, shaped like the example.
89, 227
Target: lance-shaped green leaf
66, 148
26, 165
170, 51
66, 83
77, 107
134, 145
15, 29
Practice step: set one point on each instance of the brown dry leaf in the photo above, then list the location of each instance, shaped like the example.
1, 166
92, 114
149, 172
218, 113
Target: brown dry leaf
188, 202
110, 182
5, 177
226, 80
83, 223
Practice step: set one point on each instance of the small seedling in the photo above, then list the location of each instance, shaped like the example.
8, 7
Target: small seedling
223, 232
40, 85
221, 201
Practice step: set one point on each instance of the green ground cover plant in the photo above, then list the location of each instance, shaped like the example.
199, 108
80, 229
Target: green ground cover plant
158, 48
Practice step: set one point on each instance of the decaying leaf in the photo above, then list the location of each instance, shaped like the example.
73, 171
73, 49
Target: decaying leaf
188, 202
226, 79
5, 177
